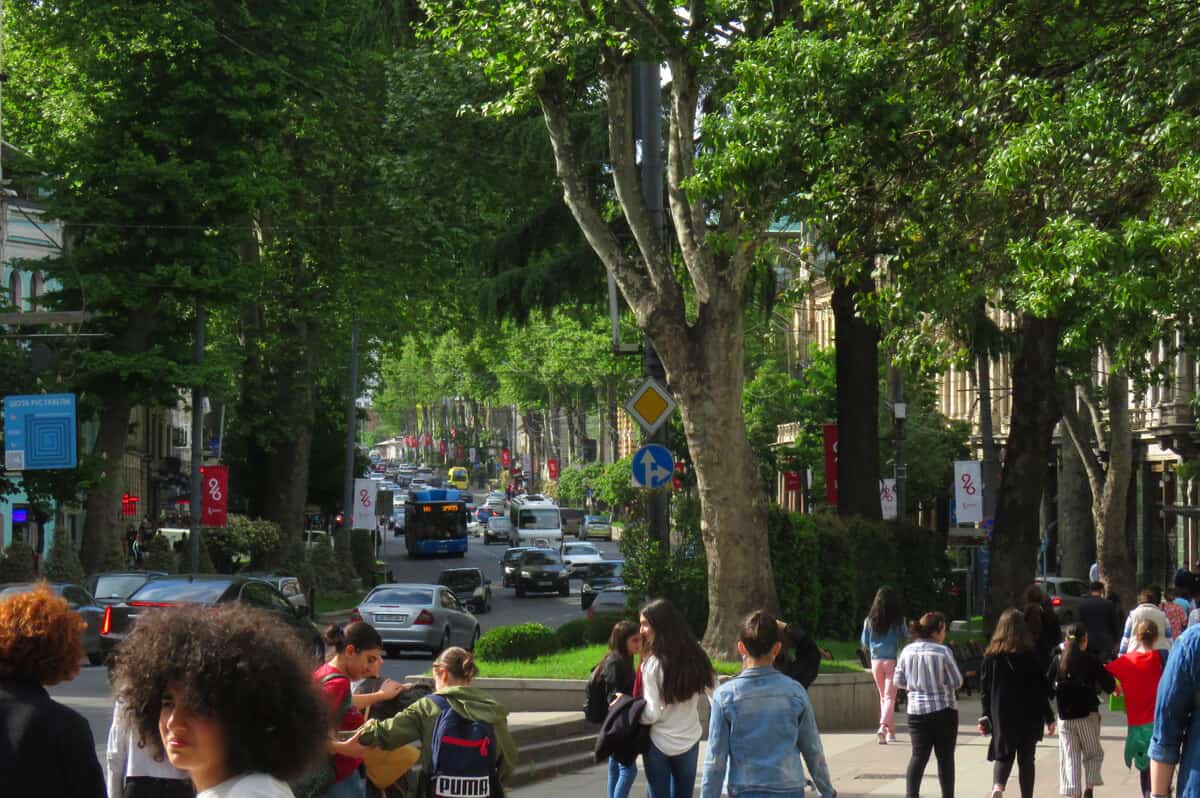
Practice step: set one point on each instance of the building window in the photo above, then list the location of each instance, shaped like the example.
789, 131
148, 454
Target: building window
37, 287
14, 289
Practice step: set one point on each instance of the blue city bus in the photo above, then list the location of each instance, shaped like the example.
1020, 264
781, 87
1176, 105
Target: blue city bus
435, 522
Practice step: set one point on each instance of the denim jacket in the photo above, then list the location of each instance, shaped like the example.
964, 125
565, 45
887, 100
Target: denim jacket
775, 726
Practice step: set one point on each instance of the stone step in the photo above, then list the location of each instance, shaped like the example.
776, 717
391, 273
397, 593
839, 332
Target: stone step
532, 770
553, 749
528, 734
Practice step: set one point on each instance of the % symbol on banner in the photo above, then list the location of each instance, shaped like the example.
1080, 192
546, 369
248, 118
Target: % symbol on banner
214, 490
364, 499
968, 485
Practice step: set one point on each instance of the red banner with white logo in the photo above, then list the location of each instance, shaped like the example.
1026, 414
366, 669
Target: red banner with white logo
505, 458
831, 463
792, 481
552, 468
215, 495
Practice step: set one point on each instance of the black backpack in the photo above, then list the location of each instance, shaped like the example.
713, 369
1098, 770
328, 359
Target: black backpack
596, 707
463, 760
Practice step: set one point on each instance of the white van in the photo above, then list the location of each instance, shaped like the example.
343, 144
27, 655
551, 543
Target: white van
535, 521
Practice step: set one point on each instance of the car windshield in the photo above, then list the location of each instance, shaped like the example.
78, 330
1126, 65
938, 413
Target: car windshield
540, 558
538, 519
597, 519
606, 570
399, 596
581, 550
181, 592
461, 580
13, 590
118, 586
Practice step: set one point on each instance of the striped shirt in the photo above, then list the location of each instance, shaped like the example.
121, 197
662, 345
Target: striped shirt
928, 672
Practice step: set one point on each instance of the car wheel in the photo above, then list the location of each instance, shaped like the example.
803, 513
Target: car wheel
520, 590
474, 639
96, 658
445, 644
564, 589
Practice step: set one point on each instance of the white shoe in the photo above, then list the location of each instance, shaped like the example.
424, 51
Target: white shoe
891, 738
882, 735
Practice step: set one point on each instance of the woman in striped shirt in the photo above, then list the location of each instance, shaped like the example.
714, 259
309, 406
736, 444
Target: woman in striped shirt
926, 669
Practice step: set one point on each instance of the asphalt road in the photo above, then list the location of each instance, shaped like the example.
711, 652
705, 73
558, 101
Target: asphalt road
89, 692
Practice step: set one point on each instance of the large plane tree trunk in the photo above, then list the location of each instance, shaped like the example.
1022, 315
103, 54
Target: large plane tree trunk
101, 526
1015, 537
856, 358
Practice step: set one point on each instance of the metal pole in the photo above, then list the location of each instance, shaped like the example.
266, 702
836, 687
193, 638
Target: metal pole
351, 423
196, 504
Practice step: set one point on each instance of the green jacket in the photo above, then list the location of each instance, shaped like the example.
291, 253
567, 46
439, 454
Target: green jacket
417, 722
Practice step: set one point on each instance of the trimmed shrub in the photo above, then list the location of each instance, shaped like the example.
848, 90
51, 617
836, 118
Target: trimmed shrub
157, 555
572, 633
17, 563
323, 561
600, 627
62, 561
343, 559
680, 575
241, 540
362, 553
522, 641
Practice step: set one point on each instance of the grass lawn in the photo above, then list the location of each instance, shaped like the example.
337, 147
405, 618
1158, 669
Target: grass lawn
333, 602
578, 663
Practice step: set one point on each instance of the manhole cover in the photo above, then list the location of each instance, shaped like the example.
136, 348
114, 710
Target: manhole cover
880, 776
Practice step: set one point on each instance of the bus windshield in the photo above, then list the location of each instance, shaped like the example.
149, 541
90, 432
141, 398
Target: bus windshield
538, 519
437, 521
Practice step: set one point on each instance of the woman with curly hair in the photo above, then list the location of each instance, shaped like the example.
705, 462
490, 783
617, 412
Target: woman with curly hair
227, 694
48, 749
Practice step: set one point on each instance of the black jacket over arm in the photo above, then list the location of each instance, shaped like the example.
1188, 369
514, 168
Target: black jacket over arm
46, 749
1016, 696
623, 735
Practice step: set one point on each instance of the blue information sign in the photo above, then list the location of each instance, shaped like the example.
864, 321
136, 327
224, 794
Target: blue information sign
39, 432
653, 466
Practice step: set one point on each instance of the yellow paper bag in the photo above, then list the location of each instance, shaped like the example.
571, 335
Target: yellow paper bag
385, 767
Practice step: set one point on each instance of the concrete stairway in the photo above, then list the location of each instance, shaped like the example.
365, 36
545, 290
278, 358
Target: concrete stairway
549, 744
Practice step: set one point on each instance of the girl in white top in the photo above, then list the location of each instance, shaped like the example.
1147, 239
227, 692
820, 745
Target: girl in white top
227, 695
675, 675
136, 769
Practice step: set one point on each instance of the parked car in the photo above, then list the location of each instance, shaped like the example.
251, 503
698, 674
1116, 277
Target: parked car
1066, 594
498, 528
601, 575
206, 591
610, 600
289, 586
541, 570
578, 557
596, 526
470, 587
418, 616
113, 587
80, 600
509, 563
496, 502
572, 520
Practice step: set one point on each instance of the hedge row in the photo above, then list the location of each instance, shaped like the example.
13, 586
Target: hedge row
528, 641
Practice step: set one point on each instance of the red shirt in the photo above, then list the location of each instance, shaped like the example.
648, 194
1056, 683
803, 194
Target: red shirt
336, 691
1139, 673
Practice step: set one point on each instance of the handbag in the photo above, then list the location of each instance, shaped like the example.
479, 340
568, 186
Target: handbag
317, 781
384, 767
1116, 703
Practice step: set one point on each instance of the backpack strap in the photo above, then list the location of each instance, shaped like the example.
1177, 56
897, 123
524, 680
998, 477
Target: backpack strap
347, 702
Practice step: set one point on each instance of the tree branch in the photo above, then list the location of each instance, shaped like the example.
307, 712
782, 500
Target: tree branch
1078, 432
1087, 394
690, 225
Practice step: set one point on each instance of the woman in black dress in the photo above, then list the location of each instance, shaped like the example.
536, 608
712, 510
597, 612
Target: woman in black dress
1016, 702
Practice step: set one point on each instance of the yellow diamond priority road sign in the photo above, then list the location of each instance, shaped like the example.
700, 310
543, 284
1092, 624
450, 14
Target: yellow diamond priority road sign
651, 406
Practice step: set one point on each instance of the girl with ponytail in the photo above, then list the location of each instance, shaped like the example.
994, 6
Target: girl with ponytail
1078, 677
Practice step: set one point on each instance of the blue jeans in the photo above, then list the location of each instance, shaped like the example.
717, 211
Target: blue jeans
620, 778
671, 776
350, 787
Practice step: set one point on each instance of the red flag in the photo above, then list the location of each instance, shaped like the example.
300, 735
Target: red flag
215, 498
552, 468
505, 458
792, 481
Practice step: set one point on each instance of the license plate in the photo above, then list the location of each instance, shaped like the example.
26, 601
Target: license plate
384, 618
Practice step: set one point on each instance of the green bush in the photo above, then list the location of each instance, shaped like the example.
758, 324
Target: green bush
680, 575
572, 633
522, 641
362, 553
599, 628
16, 565
157, 555
343, 559
62, 561
241, 541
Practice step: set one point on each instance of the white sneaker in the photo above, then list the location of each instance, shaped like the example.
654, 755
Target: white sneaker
891, 738
882, 735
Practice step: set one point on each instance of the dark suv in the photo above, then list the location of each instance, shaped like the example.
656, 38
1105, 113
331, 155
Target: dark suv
541, 570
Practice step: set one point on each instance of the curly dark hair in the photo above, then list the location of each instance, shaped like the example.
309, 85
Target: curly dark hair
41, 637
236, 665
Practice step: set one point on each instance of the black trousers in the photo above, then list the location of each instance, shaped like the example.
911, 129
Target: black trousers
936, 732
1023, 756
144, 787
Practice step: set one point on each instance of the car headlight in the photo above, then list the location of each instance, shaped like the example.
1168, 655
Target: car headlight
508, 569
527, 575
586, 588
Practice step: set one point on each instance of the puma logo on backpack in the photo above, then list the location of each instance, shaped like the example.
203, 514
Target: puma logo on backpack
464, 755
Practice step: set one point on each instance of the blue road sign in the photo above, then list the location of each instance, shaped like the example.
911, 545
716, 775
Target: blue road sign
39, 432
653, 466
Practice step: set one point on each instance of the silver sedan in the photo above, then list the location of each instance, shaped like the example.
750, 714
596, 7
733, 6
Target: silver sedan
418, 616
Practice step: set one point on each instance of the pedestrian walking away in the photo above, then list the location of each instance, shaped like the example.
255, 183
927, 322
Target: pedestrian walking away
1016, 702
358, 654
775, 726
1176, 613
926, 669
48, 749
676, 675
1103, 622
462, 730
613, 676
1147, 610
1077, 676
882, 631
1139, 671
135, 770
1042, 625
226, 694
1175, 741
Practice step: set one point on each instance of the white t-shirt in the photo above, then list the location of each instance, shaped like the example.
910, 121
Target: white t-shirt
127, 759
674, 728
249, 785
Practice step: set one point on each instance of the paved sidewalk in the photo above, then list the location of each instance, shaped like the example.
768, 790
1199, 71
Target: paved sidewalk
861, 767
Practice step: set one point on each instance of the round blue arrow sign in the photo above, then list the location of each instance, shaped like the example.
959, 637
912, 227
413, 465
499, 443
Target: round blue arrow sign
653, 466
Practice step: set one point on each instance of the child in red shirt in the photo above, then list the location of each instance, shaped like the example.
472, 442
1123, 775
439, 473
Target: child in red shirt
1139, 672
